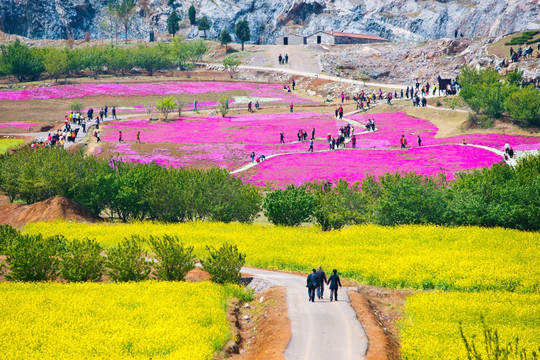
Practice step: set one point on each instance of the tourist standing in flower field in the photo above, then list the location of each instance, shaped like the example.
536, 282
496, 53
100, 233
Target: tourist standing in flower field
252, 157
114, 113
403, 142
312, 284
419, 141
120, 137
138, 141
334, 281
106, 110
293, 84
195, 106
281, 138
322, 279
291, 106
313, 134
310, 146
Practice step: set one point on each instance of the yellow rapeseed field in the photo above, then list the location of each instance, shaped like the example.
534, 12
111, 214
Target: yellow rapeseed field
426, 257
113, 321
430, 329
6, 144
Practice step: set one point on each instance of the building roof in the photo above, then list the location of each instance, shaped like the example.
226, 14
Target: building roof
358, 36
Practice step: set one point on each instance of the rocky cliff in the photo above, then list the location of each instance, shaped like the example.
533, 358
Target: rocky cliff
397, 20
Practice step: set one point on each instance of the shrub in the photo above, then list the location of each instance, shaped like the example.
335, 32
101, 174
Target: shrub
290, 207
174, 260
33, 258
20, 61
224, 264
82, 261
231, 64
524, 105
7, 234
223, 106
165, 105
76, 105
127, 261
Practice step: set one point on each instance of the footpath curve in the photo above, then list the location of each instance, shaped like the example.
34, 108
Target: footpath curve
321, 330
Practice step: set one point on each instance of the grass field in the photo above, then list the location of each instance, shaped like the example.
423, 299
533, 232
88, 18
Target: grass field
430, 329
424, 257
113, 321
6, 144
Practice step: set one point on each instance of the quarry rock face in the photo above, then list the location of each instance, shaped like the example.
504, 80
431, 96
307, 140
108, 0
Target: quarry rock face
395, 20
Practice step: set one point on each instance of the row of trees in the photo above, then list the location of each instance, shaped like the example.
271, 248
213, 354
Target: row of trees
498, 196
26, 63
126, 190
242, 31
38, 258
490, 94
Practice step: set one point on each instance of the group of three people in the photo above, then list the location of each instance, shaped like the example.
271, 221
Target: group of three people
316, 281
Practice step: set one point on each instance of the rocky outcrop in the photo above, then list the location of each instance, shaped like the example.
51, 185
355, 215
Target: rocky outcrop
397, 20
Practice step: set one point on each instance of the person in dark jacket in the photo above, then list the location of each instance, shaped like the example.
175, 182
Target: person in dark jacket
333, 281
312, 283
322, 280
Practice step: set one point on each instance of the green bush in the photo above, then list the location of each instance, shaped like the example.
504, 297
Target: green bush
174, 261
33, 258
82, 261
7, 234
524, 106
290, 207
224, 264
76, 105
127, 261
20, 61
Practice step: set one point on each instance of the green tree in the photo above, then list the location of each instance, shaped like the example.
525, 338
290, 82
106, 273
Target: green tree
165, 105
290, 207
127, 261
515, 77
242, 32
225, 38
81, 261
223, 106
192, 14
409, 199
124, 10
76, 105
120, 60
204, 24
524, 105
56, 62
224, 264
174, 261
172, 23
152, 58
187, 53
20, 61
231, 64
93, 59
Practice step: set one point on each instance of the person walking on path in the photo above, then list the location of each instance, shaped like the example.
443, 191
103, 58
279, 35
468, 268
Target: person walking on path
313, 134
282, 138
340, 111
286, 59
353, 140
90, 113
333, 281
252, 157
280, 59
310, 146
114, 113
83, 124
106, 110
120, 137
138, 140
195, 106
312, 283
293, 84
292, 107
101, 114
322, 279
342, 97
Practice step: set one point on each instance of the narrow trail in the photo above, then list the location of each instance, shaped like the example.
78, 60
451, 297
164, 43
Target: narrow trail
321, 330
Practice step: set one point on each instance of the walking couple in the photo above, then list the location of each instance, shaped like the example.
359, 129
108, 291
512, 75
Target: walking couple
316, 281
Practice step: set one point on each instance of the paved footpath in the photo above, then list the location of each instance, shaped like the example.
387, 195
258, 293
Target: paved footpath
321, 330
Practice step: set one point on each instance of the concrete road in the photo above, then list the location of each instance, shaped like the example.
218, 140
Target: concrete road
320, 330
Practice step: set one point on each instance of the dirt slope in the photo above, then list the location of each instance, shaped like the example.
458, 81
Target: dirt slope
18, 215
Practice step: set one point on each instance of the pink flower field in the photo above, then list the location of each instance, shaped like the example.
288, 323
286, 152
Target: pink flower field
227, 143
149, 89
17, 124
354, 165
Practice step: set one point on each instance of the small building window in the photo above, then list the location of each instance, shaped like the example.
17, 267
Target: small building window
319, 40
285, 40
